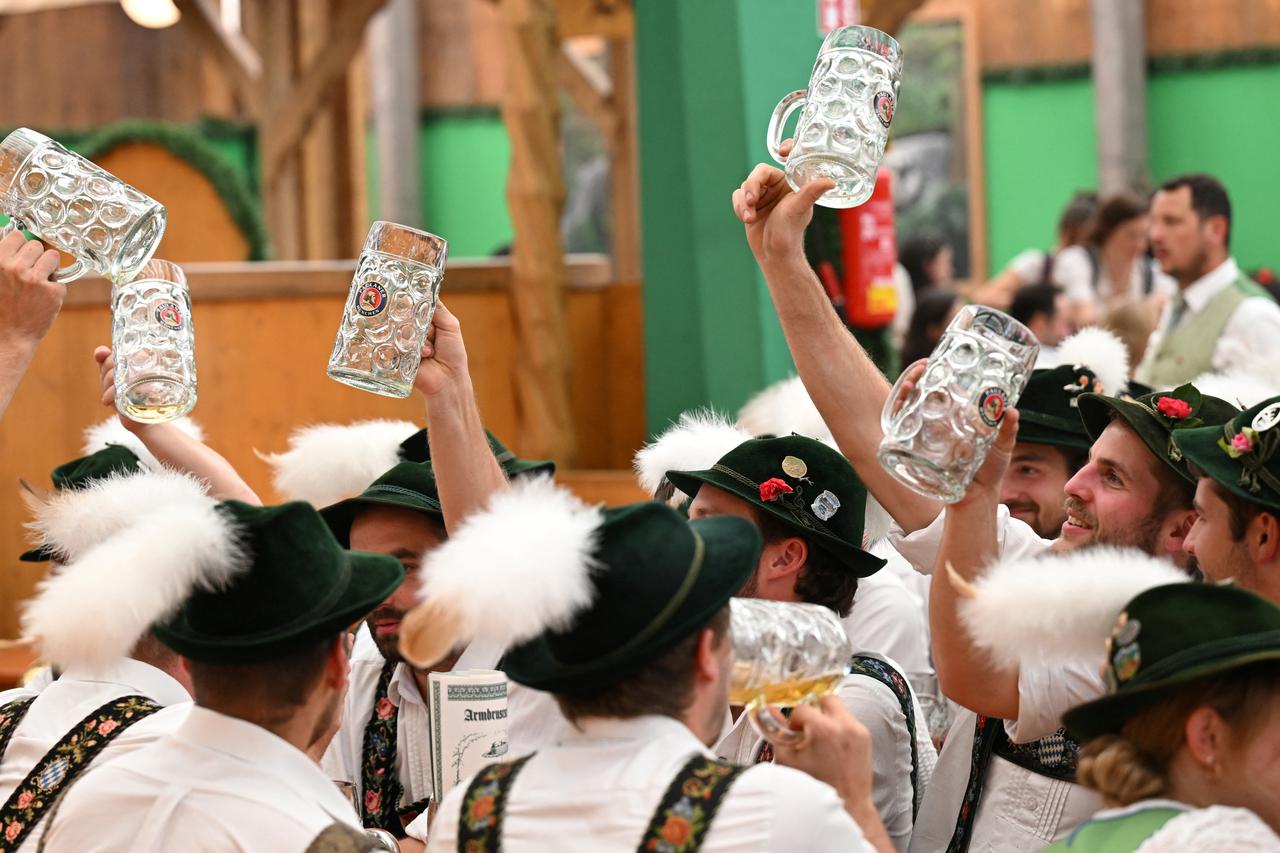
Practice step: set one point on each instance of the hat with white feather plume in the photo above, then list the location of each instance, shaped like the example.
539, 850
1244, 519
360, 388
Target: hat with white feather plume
76, 474
581, 597
111, 433
1091, 360
1239, 387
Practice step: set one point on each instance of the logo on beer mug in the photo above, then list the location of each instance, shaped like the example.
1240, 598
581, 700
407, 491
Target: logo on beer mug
883, 104
371, 299
169, 315
991, 405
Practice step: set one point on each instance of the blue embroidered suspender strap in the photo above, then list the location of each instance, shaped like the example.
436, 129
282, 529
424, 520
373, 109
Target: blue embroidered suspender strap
685, 813
63, 763
380, 788
11, 713
882, 672
480, 816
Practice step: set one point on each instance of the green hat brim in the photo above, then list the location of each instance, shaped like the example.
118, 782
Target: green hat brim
1109, 714
861, 563
370, 578
1036, 428
341, 515
1096, 409
37, 555
1199, 446
728, 561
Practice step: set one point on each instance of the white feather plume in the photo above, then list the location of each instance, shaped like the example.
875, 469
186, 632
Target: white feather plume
695, 442
1102, 352
111, 431
1239, 387
72, 521
781, 409
519, 567
94, 609
1059, 607
327, 463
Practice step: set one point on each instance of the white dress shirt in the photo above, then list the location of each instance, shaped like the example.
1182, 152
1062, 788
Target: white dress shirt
533, 716
889, 619
1251, 337
876, 707
76, 694
597, 790
218, 783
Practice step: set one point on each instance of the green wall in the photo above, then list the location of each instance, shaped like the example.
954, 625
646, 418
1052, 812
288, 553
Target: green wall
1040, 146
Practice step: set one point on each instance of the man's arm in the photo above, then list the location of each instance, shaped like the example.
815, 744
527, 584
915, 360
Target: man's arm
175, 448
29, 302
467, 473
966, 674
844, 383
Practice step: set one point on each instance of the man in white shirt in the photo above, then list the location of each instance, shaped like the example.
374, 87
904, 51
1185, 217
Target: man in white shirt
640, 663
1220, 319
261, 628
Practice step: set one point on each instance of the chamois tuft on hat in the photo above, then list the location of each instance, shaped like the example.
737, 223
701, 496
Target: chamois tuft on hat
517, 568
328, 463
782, 409
1239, 387
1059, 607
1100, 351
696, 441
95, 608
111, 431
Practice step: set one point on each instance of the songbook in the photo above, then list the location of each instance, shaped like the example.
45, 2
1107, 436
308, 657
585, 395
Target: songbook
469, 727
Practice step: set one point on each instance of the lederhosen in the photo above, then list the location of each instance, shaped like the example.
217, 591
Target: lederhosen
1053, 756
875, 668
67, 759
679, 825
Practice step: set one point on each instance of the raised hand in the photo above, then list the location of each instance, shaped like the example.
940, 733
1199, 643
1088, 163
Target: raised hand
444, 356
29, 298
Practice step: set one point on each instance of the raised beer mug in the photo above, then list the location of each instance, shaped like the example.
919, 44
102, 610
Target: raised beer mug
937, 435
848, 107
154, 345
784, 654
77, 207
389, 310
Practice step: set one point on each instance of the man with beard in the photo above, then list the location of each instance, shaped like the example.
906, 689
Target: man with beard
1236, 536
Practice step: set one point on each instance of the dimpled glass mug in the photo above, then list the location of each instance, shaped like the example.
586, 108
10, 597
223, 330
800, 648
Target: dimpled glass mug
73, 205
936, 435
389, 310
154, 344
848, 107
784, 654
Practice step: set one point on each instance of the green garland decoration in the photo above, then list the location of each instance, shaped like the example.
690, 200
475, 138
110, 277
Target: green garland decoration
1155, 65
190, 147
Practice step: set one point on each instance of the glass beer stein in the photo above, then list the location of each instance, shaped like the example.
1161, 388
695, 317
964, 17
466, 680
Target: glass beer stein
154, 345
936, 436
389, 309
784, 654
848, 107
73, 205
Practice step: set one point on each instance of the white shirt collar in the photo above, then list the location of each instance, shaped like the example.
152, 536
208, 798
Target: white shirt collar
135, 675
403, 687
1199, 292
643, 729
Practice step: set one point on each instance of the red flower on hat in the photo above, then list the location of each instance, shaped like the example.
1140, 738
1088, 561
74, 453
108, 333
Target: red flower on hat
773, 488
1172, 407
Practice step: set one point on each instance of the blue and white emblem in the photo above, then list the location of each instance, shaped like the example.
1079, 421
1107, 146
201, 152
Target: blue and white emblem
824, 506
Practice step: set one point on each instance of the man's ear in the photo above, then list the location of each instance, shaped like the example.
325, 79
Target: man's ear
337, 664
788, 557
706, 660
1178, 524
1263, 538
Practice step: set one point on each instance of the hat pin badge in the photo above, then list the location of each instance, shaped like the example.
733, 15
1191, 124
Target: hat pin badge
795, 467
1267, 418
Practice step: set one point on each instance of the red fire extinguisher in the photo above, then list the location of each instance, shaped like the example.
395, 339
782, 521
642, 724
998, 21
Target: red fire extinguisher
869, 247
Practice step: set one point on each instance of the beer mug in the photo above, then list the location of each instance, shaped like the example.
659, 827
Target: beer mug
784, 654
936, 436
389, 310
73, 205
852, 95
154, 345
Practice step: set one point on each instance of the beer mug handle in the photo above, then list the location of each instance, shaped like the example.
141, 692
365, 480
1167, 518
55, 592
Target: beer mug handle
771, 725
69, 273
785, 108
891, 407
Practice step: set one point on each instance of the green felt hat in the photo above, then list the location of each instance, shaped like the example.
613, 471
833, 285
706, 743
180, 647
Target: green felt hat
1242, 455
112, 459
1170, 635
1156, 416
301, 587
408, 485
416, 448
1048, 409
801, 482
658, 579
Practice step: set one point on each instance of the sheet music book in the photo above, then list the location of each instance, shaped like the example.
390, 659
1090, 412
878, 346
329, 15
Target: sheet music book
468, 724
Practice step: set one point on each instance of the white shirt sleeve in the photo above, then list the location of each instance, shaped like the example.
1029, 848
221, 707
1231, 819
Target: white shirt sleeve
1027, 265
1073, 272
888, 619
1250, 338
1217, 828
1014, 539
1046, 692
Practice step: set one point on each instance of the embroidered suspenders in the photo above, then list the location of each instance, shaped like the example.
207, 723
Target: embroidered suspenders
10, 715
379, 784
64, 762
888, 676
1053, 756
679, 825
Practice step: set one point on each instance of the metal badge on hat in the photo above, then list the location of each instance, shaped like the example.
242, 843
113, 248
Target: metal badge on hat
1123, 652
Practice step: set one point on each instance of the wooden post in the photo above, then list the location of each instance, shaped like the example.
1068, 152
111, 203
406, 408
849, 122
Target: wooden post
393, 40
1120, 94
535, 196
281, 187
624, 205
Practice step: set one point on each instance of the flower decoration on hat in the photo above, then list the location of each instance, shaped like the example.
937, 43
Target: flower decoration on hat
774, 488
1177, 410
1172, 407
1084, 382
1254, 446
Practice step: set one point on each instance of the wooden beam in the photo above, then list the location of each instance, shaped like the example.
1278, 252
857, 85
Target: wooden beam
393, 49
624, 194
588, 87
281, 187
232, 51
888, 15
287, 118
1120, 95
